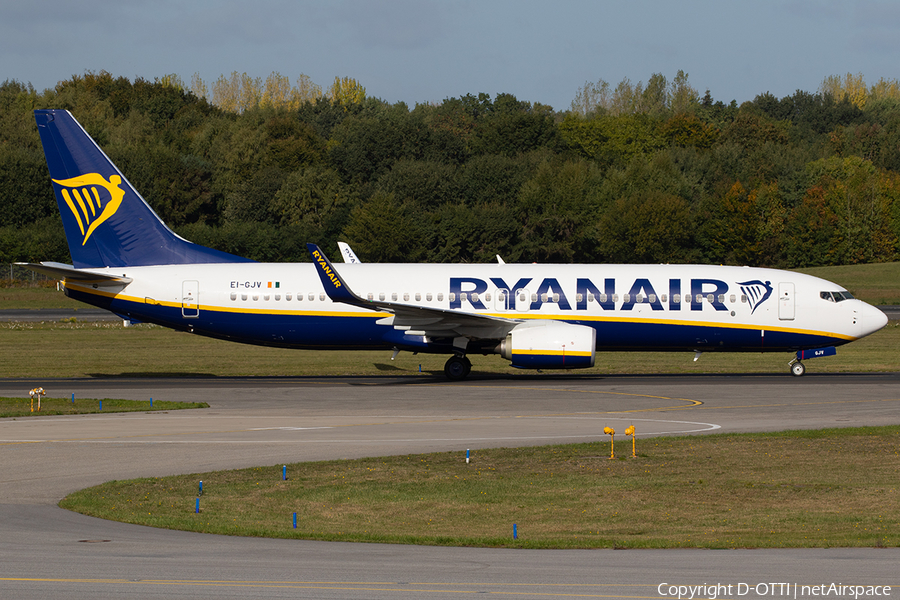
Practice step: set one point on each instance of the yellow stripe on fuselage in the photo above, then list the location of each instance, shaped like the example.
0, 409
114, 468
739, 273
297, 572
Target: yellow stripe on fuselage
515, 317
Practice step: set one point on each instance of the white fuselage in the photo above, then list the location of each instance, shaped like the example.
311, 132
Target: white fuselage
648, 307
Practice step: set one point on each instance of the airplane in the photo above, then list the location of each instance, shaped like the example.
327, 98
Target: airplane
536, 316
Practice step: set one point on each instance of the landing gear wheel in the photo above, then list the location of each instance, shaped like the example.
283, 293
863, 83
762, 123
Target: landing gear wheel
797, 369
457, 368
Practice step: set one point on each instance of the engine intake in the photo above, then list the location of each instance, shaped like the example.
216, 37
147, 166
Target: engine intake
550, 345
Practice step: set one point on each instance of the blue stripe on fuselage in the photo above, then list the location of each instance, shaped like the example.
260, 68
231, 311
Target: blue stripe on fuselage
317, 330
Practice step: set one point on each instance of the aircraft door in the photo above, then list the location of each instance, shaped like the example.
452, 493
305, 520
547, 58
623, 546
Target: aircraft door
786, 301
190, 299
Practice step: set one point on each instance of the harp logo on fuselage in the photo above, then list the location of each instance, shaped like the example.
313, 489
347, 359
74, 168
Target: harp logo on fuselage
92, 200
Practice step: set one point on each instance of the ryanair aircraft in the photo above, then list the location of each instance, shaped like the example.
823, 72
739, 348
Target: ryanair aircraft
536, 316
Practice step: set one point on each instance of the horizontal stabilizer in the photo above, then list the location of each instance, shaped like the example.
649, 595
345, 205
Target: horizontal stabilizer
70, 273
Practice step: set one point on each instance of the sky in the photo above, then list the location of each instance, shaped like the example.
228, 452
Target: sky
421, 51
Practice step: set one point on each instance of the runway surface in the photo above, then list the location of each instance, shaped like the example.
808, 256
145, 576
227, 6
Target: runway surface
50, 553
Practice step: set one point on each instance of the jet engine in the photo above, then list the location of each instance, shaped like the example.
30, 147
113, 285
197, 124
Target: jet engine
550, 345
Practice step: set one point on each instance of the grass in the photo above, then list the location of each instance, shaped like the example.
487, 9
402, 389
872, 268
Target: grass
107, 349
828, 488
40, 295
876, 284
24, 407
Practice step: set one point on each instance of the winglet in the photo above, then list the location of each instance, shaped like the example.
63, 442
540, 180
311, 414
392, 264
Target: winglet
334, 285
348, 253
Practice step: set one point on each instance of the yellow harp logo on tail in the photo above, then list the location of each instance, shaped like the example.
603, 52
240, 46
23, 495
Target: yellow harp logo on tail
89, 204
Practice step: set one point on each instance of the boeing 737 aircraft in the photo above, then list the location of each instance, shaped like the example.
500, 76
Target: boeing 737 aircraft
536, 316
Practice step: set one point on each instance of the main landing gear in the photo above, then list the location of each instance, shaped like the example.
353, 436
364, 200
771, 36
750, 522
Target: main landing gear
457, 368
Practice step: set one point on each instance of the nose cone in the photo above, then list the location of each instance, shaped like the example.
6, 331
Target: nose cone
871, 319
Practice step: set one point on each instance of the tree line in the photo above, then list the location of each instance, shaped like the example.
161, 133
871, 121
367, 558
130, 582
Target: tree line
636, 173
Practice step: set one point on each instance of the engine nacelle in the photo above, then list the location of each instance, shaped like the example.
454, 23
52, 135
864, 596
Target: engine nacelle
550, 345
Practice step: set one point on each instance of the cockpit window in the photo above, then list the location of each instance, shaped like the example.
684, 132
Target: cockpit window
836, 296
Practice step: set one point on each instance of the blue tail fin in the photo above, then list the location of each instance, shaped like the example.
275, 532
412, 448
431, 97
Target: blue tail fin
107, 222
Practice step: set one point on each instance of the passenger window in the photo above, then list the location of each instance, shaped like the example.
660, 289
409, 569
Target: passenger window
652, 298
487, 297
543, 297
255, 297
266, 297
744, 298
428, 297
322, 297
663, 298
732, 299
604, 298
440, 297
277, 297
451, 296
579, 298
721, 298
418, 297
288, 297
474, 297
381, 296
394, 296
233, 296
534, 297
370, 296
243, 296
312, 297
626, 298
406, 296
676, 298
463, 296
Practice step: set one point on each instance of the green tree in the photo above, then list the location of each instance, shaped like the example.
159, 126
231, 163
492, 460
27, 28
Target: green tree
553, 211
380, 230
847, 215
647, 227
422, 184
316, 202
613, 140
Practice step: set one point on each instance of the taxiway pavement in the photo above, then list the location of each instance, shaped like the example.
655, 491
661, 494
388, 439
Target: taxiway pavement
50, 553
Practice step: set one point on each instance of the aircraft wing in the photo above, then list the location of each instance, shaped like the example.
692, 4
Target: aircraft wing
415, 320
70, 273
